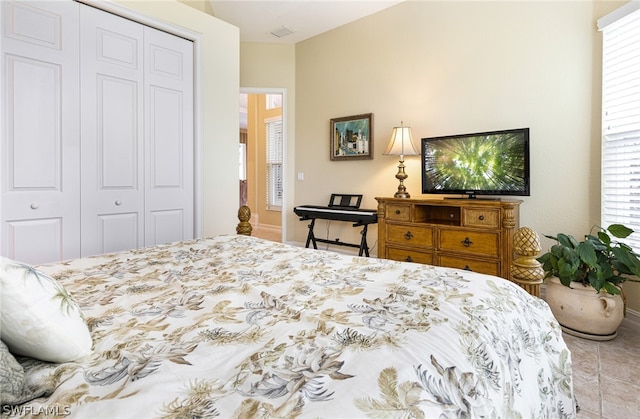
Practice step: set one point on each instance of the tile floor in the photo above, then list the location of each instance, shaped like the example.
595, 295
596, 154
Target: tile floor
606, 375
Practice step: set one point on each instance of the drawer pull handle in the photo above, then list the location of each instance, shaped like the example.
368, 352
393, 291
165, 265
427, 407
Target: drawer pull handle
397, 212
118, 202
34, 206
408, 235
481, 217
466, 242
466, 268
408, 259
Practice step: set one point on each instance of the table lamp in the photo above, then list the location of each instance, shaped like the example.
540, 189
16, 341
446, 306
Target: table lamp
401, 144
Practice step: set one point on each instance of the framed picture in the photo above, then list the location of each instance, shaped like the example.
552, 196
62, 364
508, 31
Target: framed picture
352, 137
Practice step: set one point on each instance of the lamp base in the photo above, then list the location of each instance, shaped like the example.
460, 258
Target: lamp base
401, 195
401, 176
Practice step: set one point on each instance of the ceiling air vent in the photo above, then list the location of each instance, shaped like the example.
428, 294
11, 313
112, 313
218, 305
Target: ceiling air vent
281, 32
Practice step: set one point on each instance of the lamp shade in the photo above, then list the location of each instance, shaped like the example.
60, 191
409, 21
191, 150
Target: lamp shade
401, 143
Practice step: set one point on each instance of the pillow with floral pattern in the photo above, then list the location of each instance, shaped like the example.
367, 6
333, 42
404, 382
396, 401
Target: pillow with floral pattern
39, 317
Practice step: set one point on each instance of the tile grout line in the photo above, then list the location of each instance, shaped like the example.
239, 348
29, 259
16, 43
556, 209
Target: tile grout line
600, 395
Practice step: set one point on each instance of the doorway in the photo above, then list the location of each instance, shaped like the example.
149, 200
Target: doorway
262, 160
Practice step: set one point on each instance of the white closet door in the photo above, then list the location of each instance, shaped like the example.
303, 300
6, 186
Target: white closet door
169, 194
112, 71
137, 135
40, 139
112, 74
97, 147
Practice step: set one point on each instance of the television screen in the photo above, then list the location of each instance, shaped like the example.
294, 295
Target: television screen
485, 163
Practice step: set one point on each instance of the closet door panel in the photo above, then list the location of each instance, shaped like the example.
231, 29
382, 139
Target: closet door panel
165, 225
37, 144
117, 134
41, 140
118, 231
37, 23
167, 142
112, 133
36, 240
169, 158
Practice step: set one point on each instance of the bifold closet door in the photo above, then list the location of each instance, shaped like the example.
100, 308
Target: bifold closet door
169, 138
137, 134
111, 120
40, 147
97, 145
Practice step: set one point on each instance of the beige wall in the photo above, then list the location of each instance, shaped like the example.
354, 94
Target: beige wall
450, 68
202, 5
220, 117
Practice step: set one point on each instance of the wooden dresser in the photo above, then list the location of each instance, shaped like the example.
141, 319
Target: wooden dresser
473, 234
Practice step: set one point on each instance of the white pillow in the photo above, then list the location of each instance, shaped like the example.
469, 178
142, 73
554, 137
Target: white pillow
38, 318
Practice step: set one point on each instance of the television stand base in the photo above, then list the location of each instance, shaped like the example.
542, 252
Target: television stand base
484, 198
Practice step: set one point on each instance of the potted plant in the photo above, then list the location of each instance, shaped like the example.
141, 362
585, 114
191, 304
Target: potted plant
584, 291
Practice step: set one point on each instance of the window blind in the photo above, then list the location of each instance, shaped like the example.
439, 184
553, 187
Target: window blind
621, 123
274, 163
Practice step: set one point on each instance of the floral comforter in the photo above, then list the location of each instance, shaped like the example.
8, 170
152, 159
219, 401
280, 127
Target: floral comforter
235, 326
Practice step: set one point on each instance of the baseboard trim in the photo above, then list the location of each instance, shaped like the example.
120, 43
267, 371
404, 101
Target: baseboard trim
632, 319
267, 227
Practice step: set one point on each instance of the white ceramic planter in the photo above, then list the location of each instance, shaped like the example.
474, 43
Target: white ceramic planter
583, 312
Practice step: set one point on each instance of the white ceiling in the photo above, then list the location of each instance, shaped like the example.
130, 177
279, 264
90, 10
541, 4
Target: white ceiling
306, 18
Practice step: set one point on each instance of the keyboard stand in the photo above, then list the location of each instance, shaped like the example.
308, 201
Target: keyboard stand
340, 208
363, 246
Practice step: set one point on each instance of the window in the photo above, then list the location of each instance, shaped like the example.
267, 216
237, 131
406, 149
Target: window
273, 130
621, 120
242, 166
274, 101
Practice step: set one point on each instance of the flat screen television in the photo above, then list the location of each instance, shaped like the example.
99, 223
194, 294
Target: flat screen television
483, 163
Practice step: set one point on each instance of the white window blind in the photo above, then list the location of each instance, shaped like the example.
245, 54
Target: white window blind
274, 163
621, 121
274, 101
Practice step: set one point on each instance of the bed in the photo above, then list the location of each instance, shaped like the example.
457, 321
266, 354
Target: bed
236, 326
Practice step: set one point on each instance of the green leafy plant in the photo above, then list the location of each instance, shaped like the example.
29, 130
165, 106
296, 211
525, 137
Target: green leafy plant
598, 260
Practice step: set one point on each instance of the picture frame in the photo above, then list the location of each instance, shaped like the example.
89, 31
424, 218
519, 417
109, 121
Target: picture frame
351, 137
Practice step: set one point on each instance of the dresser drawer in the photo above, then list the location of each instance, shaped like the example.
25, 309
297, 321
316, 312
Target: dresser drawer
405, 255
480, 266
410, 234
481, 217
478, 243
398, 212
